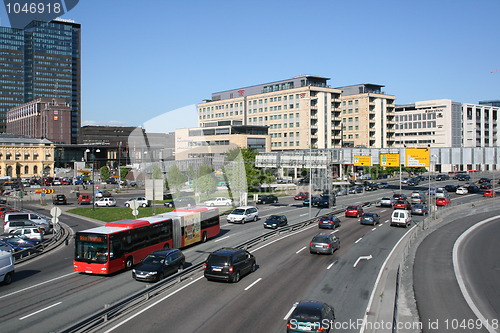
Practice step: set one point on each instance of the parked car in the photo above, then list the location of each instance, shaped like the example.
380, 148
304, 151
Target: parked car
324, 243
106, 202
369, 218
443, 201
308, 316
229, 264
141, 202
275, 221
301, 196
462, 177
159, 265
266, 199
442, 177
489, 193
401, 204
462, 190
59, 199
20, 243
34, 233
38, 220
386, 202
4, 212
354, 211
419, 209
4, 246
180, 202
243, 214
220, 201
329, 221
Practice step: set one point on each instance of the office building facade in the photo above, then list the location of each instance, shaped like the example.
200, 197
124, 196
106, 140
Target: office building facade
367, 116
301, 113
480, 125
48, 118
42, 60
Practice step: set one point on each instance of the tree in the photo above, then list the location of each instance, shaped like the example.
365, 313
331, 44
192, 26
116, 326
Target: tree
105, 173
123, 173
156, 173
205, 182
266, 178
248, 159
175, 178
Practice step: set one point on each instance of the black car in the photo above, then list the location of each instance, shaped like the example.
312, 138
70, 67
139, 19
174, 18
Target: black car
59, 199
485, 186
413, 182
324, 201
311, 316
369, 218
275, 221
451, 188
265, 199
442, 177
399, 196
462, 177
484, 180
158, 265
229, 264
473, 189
181, 202
328, 222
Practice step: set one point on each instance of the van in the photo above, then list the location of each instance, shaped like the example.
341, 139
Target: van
6, 267
243, 214
11, 226
41, 222
84, 199
401, 218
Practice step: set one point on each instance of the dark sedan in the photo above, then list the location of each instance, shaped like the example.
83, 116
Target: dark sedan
275, 221
266, 199
59, 199
419, 209
328, 222
451, 188
369, 218
306, 201
311, 316
158, 265
181, 202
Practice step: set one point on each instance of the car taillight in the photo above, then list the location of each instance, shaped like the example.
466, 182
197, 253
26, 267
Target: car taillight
204, 267
311, 244
328, 245
231, 269
288, 325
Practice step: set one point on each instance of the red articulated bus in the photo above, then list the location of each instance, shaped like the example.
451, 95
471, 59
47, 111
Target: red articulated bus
121, 244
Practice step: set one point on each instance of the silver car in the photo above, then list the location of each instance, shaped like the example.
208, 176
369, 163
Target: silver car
324, 243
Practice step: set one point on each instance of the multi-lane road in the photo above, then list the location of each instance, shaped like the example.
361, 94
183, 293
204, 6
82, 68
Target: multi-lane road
46, 295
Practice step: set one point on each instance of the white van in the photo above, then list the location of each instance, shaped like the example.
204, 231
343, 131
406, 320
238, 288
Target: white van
6, 267
41, 222
243, 214
401, 218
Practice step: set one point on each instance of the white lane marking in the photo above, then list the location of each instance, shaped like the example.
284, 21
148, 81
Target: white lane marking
302, 249
46, 308
387, 221
218, 240
37, 285
132, 316
362, 258
289, 313
383, 210
374, 229
304, 214
377, 281
255, 282
356, 242
330, 266
459, 275
286, 236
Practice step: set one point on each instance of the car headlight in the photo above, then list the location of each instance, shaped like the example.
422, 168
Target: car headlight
133, 271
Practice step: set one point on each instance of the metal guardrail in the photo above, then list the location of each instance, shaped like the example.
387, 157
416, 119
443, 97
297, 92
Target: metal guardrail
113, 311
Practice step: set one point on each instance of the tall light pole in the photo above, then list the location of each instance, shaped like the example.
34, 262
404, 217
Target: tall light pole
93, 151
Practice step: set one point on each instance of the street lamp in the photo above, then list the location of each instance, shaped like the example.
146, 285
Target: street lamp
94, 150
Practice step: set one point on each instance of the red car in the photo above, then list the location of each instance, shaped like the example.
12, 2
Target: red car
354, 211
489, 193
302, 196
443, 201
401, 204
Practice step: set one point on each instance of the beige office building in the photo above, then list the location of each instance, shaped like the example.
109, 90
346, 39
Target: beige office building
302, 112
367, 116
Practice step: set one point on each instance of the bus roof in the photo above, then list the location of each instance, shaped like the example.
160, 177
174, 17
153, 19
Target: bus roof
103, 230
196, 209
129, 224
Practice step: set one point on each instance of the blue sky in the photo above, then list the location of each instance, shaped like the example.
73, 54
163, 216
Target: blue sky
141, 59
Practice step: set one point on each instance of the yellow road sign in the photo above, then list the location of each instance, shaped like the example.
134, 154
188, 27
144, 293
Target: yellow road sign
362, 160
418, 157
389, 160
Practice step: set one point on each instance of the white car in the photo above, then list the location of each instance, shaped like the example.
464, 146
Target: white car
220, 201
243, 214
30, 233
462, 190
106, 202
141, 202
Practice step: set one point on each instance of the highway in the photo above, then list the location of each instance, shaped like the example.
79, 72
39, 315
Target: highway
47, 294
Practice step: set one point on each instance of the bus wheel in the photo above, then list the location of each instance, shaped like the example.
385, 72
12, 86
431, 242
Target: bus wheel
204, 237
129, 263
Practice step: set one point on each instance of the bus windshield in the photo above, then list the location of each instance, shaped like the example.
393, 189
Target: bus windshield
91, 248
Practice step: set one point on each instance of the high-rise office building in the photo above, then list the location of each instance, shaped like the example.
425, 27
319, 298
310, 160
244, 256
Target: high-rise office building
42, 60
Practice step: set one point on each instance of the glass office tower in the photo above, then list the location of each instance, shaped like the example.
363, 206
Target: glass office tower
42, 60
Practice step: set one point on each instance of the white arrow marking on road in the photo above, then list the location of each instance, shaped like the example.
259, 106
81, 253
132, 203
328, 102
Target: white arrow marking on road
362, 258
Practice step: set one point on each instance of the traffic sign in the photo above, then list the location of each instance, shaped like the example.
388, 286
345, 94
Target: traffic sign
389, 160
362, 160
418, 157
55, 220
55, 211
